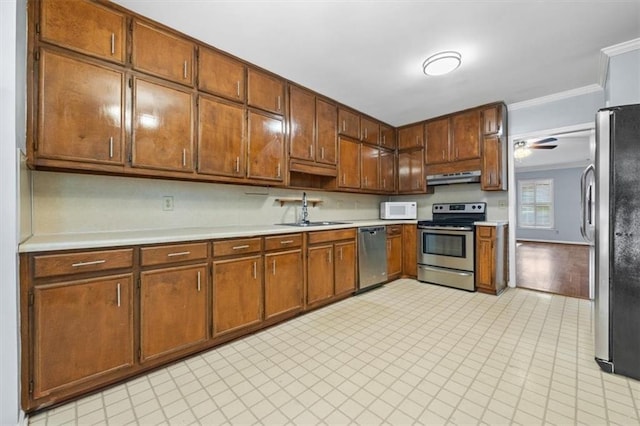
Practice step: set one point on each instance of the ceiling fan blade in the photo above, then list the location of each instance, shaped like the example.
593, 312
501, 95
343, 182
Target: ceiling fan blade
544, 147
541, 141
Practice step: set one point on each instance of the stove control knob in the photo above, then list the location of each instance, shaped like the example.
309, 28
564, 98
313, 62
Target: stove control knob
473, 207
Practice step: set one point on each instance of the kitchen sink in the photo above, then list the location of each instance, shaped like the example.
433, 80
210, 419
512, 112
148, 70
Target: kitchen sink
308, 224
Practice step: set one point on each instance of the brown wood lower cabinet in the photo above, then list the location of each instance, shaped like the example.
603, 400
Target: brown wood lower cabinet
82, 332
331, 265
283, 277
173, 309
410, 250
394, 251
237, 293
491, 258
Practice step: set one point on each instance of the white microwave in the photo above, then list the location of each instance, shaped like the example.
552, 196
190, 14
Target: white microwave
399, 210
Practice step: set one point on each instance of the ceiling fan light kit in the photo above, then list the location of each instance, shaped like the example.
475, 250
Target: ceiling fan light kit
442, 63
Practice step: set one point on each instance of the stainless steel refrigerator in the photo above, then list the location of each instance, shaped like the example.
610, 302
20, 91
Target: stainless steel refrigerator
611, 219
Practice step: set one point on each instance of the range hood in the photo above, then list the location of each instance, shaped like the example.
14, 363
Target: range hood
451, 178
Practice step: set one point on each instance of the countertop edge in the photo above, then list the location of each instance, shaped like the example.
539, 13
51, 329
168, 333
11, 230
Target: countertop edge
92, 240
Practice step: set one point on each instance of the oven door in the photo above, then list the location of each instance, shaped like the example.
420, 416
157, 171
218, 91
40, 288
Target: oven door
446, 248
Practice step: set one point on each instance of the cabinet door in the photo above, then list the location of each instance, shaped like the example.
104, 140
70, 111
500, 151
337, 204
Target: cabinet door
82, 330
410, 250
387, 137
394, 256
465, 129
326, 132
492, 164
349, 164
411, 137
370, 163
411, 172
85, 27
173, 310
221, 138
80, 111
282, 282
320, 272
345, 267
237, 293
369, 131
387, 171
302, 116
265, 91
485, 265
437, 150
491, 120
221, 75
162, 53
265, 147
349, 123
162, 127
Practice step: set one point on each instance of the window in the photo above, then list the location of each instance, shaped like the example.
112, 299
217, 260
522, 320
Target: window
536, 203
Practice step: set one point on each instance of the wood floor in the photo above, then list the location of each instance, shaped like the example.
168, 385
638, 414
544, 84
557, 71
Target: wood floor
554, 268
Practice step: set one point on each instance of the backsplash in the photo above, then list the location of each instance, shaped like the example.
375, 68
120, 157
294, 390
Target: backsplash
65, 203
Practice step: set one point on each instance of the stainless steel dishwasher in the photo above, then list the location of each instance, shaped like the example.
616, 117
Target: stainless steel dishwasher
372, 257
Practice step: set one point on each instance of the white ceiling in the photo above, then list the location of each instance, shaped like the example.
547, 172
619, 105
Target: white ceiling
369, 54
572, 150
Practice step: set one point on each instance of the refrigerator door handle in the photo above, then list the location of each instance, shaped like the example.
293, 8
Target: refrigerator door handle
585, 203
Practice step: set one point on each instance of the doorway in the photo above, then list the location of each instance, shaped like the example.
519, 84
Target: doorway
549, 252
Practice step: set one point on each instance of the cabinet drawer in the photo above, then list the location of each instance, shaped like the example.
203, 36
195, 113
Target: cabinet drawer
172, 253
239, 246
334, 235
282, 241
485, 231
51, 265
394, 229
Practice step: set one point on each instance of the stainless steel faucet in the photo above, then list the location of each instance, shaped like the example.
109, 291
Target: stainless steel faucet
305, 209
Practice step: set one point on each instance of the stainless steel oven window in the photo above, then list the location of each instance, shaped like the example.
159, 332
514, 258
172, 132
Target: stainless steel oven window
444, 244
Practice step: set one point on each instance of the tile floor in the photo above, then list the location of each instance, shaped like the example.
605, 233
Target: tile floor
405, 353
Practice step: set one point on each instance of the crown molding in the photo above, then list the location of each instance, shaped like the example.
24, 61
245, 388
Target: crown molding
555, 97
607, 52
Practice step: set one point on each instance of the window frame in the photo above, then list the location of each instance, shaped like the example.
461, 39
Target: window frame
535, 204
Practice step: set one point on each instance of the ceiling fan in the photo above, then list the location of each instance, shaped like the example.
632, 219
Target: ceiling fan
522, 148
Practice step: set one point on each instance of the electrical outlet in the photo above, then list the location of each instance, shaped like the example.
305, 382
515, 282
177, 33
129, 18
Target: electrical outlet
502, 204
167, 203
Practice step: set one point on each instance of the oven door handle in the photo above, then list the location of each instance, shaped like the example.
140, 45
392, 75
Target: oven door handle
446, 228
430, 268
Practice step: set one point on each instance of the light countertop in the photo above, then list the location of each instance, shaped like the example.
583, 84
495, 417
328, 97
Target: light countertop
89, 240
492, 223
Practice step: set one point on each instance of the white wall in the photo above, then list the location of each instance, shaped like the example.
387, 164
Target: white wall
623, 79
9, 372
66, 202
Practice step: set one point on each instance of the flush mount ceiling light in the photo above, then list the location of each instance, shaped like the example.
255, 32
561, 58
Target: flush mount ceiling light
442, 63
521, 150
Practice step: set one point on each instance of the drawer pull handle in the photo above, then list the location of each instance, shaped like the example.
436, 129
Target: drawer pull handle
274, 266
180, 253
93, 262
237, 164
322, 152
246, 246
286, 242
111, 147
237, 88
185, 70
198, 280
118, 293
279, 106
113, 43
184, 157
255, 270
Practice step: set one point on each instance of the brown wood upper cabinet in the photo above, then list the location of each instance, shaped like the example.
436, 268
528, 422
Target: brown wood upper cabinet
494, 148
162, 131
162, 53
85, 27
411, 177
349, 165
222, 144
265, 147
348, 123
453, 138
492, 120
221, 75
265, 91
465, 140
411, 136
80, 115
387, 137
387, 171
369, 131
313, 127
370, 167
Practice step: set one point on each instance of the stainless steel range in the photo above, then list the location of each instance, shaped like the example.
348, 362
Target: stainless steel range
446, 244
